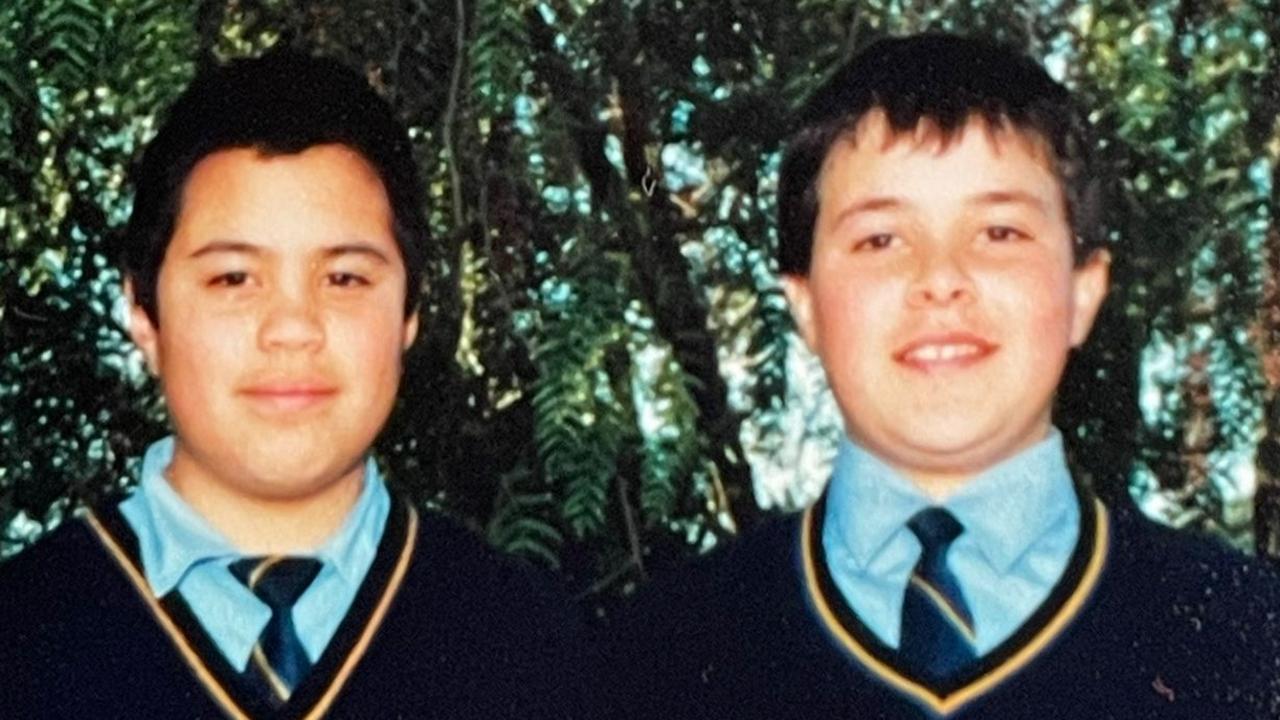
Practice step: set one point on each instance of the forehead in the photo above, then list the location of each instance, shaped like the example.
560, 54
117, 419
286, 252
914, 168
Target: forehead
323, 194
928, 160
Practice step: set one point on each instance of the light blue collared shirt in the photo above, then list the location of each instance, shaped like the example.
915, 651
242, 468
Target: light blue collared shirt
179, 549
1021, 521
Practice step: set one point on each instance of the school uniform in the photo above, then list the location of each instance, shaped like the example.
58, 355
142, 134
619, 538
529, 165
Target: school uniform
133, 611
1074, 610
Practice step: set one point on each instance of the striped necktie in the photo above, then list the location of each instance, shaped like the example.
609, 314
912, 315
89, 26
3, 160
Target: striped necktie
937, 630
278, 662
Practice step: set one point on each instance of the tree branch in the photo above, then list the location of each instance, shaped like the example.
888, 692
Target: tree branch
451, 112
629, 520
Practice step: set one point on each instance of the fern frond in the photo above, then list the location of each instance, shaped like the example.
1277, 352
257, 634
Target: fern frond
580, 425
520, 522
497, 54
672, 449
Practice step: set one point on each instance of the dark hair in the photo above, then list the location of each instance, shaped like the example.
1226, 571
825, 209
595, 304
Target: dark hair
944, 79
280, 103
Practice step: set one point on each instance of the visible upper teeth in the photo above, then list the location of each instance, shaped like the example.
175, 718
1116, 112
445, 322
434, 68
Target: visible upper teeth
943, 352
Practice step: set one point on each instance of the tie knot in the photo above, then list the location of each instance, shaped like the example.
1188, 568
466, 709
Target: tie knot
935, 527
277, 580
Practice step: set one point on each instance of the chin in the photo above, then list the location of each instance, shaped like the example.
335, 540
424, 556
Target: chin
947, 451
971, 452
298, 483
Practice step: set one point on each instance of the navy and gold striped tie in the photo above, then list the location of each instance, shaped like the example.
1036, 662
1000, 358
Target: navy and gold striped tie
278, 662
937, 630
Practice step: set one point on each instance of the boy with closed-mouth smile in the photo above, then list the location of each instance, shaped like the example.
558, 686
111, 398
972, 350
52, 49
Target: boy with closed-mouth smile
262, 567
942, 256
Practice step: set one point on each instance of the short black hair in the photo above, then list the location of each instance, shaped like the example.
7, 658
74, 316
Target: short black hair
944, 79
280, 103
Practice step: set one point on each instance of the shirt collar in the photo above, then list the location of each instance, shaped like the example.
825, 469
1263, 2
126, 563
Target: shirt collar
173, 537
1004, 510
867, 502
351, 548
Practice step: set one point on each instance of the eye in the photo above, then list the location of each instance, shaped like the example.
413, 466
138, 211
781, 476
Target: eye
1004, 233
346, 279
879, 241
230, 279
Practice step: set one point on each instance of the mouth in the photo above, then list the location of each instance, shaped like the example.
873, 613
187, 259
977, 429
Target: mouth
289, 396
945, 352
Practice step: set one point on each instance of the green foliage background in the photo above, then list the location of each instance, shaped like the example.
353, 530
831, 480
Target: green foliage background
609, 381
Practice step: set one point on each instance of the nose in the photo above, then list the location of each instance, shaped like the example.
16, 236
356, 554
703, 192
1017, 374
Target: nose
941, 280
292, 322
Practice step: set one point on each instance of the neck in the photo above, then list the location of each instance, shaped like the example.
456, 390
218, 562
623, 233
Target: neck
266, 525
938, 486
938, 478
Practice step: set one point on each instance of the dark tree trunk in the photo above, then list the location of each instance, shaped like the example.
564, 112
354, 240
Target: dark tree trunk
651, 230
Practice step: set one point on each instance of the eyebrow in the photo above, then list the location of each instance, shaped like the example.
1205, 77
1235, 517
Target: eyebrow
226, 246
871, 204
1009, 197
992, 197
243, 248
357, 248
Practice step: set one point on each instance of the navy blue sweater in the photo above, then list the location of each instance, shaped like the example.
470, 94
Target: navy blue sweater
442, 627
1145, 623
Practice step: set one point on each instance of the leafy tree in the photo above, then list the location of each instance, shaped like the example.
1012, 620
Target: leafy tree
79, 85
609, 381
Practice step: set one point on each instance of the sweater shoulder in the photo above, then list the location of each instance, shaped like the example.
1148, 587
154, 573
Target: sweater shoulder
499, 636
470, 565
1190, 563
765, 556
1200, 604
461, 580
745, 586
46, 577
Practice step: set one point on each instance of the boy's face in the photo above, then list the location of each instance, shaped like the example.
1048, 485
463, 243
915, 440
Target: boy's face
942, 297
281, 306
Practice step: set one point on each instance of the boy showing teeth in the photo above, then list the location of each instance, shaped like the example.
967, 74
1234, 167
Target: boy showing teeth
942, 258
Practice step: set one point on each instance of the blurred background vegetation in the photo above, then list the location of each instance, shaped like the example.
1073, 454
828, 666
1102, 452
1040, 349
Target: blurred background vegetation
610, 382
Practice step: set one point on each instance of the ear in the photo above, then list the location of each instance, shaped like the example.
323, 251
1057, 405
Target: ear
142, 331
410, 330
800, 299
1089, 286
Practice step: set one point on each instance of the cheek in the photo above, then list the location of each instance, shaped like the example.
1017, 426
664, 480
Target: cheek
1040, 296
852, 321
1039, 311
196, 344
849, 305
1053, 307
370, 347
196, 376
